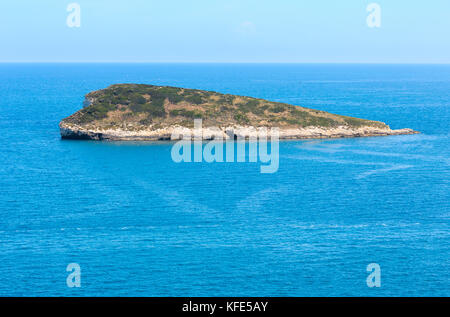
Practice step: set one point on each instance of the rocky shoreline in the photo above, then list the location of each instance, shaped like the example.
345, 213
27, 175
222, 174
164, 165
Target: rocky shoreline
72, 131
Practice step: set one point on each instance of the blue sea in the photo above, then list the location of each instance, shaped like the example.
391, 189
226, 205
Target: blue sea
139, 224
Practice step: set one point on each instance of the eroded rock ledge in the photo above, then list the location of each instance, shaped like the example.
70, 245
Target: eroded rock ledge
70, 131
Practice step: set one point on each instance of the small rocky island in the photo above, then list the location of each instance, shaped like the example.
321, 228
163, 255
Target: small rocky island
138, 112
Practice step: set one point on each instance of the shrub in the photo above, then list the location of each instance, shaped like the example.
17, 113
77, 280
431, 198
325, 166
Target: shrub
158, 101
154, 110
250, 106
192, 114
241, 118
278, 108
139, 99
195, 99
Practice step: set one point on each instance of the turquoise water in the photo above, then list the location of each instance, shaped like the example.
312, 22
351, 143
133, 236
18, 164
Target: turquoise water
139, 224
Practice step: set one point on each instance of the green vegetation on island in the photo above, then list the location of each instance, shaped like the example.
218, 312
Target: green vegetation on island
137, 106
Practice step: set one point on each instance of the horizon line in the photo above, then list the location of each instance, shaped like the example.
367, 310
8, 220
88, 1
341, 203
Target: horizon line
242, 62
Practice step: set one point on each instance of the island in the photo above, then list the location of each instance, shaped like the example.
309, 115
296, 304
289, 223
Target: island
139, 112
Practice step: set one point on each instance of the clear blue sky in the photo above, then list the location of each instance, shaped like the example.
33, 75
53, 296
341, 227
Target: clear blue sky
412, 31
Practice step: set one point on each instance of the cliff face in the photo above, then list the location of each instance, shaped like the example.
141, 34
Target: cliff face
146, 112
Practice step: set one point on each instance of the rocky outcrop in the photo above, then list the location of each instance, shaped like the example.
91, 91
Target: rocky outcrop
70, 131
152, 113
